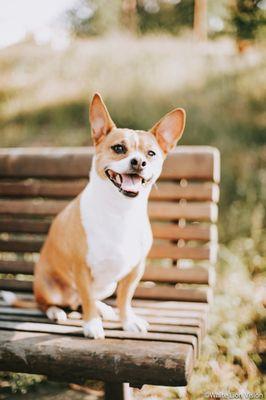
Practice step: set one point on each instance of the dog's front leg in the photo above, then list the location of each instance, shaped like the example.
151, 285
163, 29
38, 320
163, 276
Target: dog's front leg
92, 323
126, 289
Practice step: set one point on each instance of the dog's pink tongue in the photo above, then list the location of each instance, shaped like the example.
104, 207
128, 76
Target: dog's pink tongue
131, 183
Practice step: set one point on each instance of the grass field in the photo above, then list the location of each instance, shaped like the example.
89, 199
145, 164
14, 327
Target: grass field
44, 99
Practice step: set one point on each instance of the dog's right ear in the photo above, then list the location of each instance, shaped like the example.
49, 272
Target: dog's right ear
100, 120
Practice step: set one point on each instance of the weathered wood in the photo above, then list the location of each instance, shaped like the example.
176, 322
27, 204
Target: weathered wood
44, 188
191, 211
114, 334
21, 245
181, 329
189, 191
113, 360
198, 274
157, 292
32, 207
16, 267
17, 224
174, 252
72, 187
160, 230
189, 232
157, 251
157, 210
16, 285
163, 316
185, 162
171, 293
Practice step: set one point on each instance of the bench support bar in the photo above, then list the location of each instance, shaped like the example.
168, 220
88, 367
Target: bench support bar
118, 391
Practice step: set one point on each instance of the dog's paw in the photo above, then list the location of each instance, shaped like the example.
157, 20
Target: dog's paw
56, 314
133, 323
107, 312
93, 328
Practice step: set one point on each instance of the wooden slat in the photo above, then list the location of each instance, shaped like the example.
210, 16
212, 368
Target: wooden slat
16, 267
169, 231
32, 207
203, 295
188, 191
70, 188
157, 210
16, 285
165, 305
186, 252
185, 162
116, 334
10, 313
108, 360
17, 224
166, 211
189, 232
157, 251
196, 275
21, 245
157, 292
191, 330
47, 188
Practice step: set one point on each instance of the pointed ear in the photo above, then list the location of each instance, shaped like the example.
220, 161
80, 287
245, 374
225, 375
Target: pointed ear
169, 129
100, 120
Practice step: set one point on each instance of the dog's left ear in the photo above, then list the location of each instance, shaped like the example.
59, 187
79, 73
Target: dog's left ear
169, 129
101, 122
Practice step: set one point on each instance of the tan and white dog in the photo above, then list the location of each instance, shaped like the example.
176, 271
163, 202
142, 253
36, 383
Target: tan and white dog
99, 242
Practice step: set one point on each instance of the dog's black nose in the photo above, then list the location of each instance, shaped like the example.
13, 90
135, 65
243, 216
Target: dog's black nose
137, 163
134, 162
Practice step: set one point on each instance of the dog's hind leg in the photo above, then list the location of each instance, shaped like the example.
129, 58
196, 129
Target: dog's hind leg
107, 312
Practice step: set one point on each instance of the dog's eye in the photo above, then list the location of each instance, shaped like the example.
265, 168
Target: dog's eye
151, 153
119, 149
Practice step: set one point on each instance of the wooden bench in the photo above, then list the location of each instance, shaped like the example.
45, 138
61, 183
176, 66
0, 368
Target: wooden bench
35, 184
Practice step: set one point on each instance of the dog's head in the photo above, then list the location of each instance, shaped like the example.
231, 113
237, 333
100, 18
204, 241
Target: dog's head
131, 160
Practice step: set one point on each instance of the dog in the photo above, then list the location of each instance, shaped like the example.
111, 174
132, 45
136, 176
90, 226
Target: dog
100, 241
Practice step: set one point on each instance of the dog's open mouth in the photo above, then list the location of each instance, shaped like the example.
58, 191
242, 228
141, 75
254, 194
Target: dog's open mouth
128, 184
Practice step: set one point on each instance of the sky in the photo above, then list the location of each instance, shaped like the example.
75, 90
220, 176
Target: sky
20, 17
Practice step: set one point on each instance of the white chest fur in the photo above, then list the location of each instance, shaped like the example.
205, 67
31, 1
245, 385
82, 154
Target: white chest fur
117, 230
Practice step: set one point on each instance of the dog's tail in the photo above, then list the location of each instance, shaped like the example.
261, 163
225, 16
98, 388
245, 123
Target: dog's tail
12, 300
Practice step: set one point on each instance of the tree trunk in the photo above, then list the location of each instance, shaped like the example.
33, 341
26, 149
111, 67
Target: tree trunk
200, 20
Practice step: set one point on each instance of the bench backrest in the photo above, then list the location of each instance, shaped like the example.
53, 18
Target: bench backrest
36, 183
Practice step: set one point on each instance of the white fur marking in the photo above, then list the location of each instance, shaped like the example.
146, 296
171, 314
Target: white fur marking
107, 312
9, 297
117, 231
56, 314
93, 328
133, 323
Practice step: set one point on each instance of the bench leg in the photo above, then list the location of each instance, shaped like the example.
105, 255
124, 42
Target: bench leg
118, 391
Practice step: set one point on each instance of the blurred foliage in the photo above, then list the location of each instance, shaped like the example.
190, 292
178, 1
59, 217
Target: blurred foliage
154, 15
93, 17
247, 18
243, 19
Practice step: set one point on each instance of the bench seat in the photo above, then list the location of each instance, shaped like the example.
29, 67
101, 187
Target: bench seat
175, 292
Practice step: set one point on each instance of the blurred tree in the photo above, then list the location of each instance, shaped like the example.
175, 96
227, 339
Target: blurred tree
94, 17
247, 17
129, 14
165, 15
200, 24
